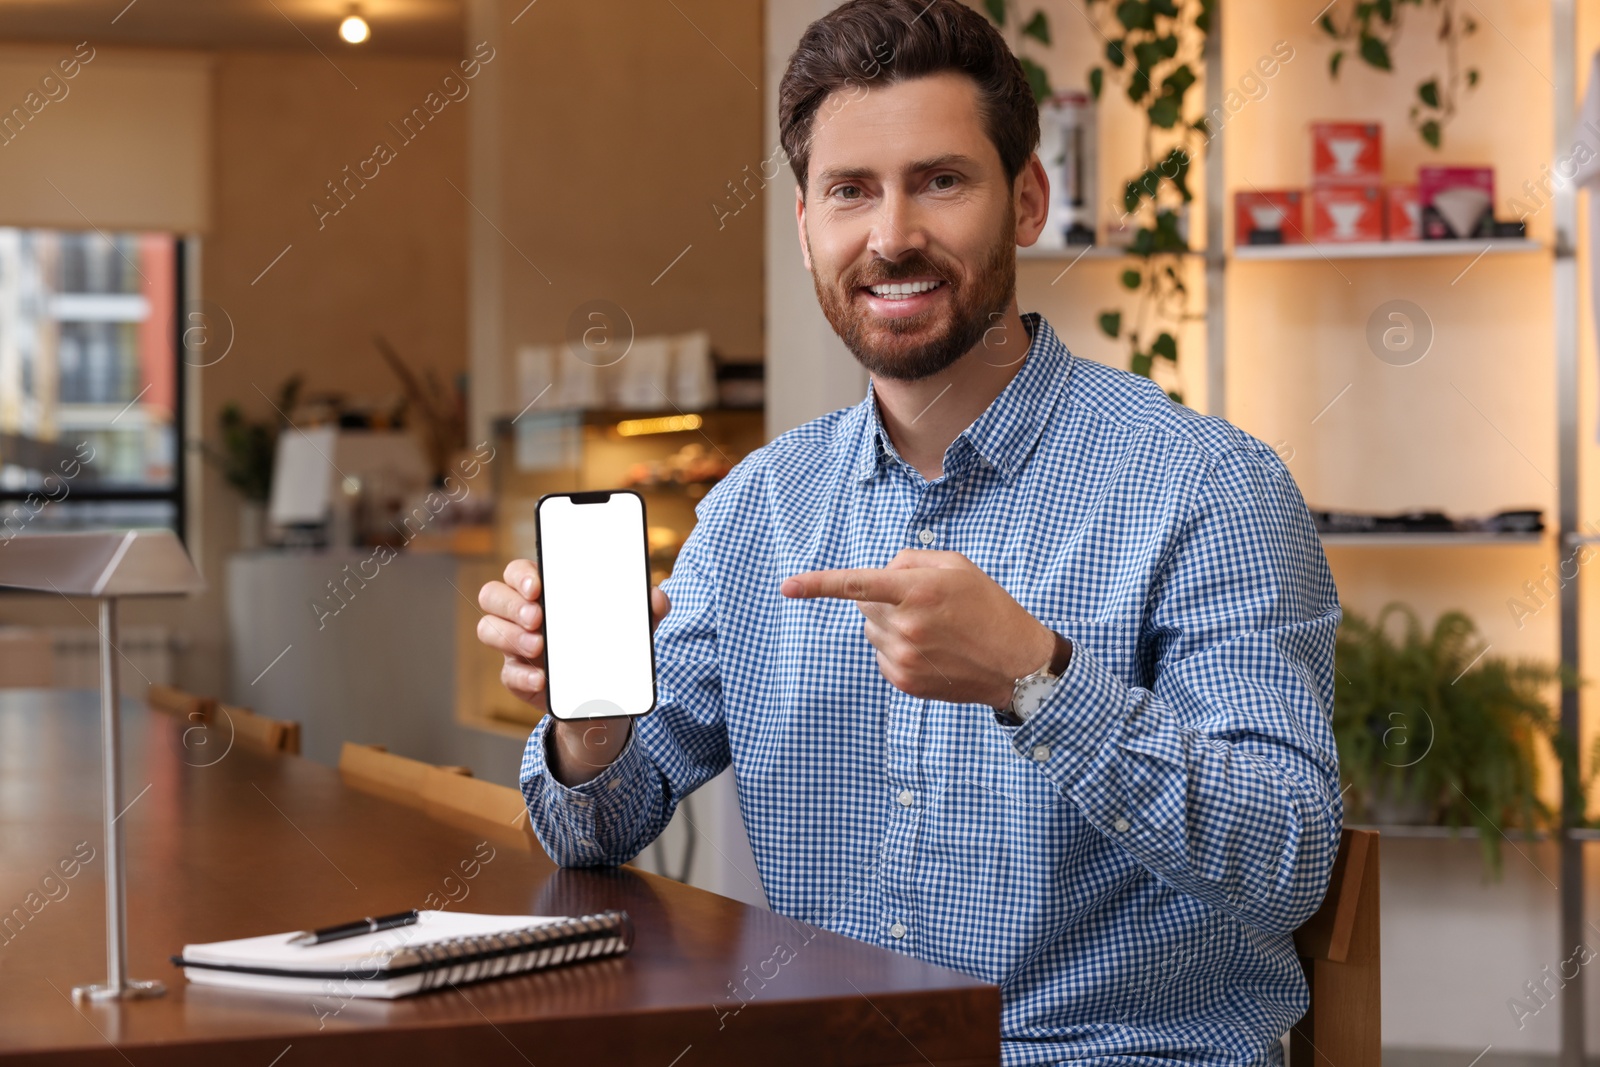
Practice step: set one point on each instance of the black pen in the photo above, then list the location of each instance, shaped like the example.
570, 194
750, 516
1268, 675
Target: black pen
368, 925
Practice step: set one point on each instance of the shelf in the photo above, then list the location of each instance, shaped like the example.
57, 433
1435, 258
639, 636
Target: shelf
1073, 252
1387, 249
1428, 540
1445, 833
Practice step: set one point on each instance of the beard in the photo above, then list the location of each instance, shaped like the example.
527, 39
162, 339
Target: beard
921, 345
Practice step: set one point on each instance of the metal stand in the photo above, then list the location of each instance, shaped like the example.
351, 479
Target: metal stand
117, 986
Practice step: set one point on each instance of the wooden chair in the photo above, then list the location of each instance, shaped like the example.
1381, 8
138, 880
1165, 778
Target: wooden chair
376, 770
1338, 949
27, 659
260, 732
447, 793
186, 706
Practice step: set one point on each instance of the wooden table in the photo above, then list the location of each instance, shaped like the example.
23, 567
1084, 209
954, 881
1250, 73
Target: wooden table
235, 844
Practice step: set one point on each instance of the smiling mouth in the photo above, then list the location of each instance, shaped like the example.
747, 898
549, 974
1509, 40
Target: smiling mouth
903, 290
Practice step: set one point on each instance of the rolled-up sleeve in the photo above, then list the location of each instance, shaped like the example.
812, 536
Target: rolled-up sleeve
670, 752
1222, 777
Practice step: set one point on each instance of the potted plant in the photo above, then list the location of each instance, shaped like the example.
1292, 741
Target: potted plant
245, 455
1432, 730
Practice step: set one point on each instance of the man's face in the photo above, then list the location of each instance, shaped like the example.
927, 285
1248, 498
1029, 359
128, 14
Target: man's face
904, 188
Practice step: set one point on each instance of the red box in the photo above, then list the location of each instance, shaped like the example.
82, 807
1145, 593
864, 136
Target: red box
1404, 214
1346, 153
1456, 201
1276, 217
1343, 213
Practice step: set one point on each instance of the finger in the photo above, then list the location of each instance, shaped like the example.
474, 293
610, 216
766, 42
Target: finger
511, 640
523, 576
865, 583
909, 558
659, 604
501, 600
523, 681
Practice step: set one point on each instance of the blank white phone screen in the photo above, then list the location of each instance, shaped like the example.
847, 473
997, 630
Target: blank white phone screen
597, 606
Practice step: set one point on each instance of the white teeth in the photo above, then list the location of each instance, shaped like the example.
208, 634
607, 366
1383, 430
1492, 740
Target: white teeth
900, 290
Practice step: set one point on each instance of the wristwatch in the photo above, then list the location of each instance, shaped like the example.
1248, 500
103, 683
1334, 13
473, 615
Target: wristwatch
1031, 690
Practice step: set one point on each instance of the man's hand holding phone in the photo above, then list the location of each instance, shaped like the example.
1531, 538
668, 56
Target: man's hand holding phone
513, 624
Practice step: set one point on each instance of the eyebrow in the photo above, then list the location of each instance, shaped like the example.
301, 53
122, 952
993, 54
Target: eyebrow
946, 160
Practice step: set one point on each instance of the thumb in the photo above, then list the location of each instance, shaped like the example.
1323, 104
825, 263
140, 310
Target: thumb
659, 606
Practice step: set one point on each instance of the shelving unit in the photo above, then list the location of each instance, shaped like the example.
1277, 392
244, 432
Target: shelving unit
1561, 536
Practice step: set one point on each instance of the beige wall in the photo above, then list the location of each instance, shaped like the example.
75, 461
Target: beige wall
392, 261
619, 125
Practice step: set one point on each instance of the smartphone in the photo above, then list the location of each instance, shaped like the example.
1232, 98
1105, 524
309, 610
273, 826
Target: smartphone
594, 568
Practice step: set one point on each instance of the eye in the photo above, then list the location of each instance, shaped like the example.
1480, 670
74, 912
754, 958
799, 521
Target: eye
847, 192
950, 178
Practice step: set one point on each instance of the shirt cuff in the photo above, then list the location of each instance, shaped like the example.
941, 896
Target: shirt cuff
578, 820
1071, 737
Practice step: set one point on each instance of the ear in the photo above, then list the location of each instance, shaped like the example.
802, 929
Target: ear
1031, 201
800, 223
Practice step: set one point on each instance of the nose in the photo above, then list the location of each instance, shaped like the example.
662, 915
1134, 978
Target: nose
896, 229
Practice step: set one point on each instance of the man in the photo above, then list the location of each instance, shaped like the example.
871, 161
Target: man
1022, 668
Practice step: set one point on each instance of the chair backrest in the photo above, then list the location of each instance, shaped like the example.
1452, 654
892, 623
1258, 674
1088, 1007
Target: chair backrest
1339, 952
475, 797
376, 770
260, 732
182, 704
27, 659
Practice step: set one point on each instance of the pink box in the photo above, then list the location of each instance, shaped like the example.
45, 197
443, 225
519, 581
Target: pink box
1456, 201
1404, 213
1342, 213
1346, 153
1269, 218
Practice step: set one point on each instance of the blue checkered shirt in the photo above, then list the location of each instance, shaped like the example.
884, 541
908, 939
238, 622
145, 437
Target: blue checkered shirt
1128, 865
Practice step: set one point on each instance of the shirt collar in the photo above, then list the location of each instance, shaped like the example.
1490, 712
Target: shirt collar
1008, 428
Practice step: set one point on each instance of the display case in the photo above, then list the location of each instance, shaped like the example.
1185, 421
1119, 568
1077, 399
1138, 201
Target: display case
671, 458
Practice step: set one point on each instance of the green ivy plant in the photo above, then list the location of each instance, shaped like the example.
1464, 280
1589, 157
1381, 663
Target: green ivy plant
1007, 15
248, 448
1154, 48
1371, 29
1431, 726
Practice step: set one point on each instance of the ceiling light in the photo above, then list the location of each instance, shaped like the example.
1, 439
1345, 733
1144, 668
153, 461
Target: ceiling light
354, 28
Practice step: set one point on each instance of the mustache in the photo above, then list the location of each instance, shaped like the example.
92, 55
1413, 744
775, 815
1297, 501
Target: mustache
919, 266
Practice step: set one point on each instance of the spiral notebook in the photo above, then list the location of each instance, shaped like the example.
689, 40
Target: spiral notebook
441, 949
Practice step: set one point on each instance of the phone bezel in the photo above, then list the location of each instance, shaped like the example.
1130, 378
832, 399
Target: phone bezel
604, 496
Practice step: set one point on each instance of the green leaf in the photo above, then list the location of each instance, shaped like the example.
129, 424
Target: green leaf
1201, 127
1167, 45
1139, 85
1114, 53
1038, 80
1038, 28
1385, 10
1178, 82
1430, 132
1135, 15
1141, 364
1165, 346
1097, 81
1174, 396
1147, 53
1472, 77
1132, 279
1429, 92
1375, 52
1164, 112
1328, 27
996, 10
1333, 63
1144, 242
1111, 323
1164, 8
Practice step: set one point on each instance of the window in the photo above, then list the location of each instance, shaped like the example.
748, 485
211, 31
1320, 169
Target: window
91, 398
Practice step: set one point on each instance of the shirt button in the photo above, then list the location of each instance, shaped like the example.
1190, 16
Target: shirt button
906, 798
1121, 825
1041, 753
926, 536
897, 931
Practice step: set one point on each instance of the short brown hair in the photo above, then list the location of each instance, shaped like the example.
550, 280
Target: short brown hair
868, 42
